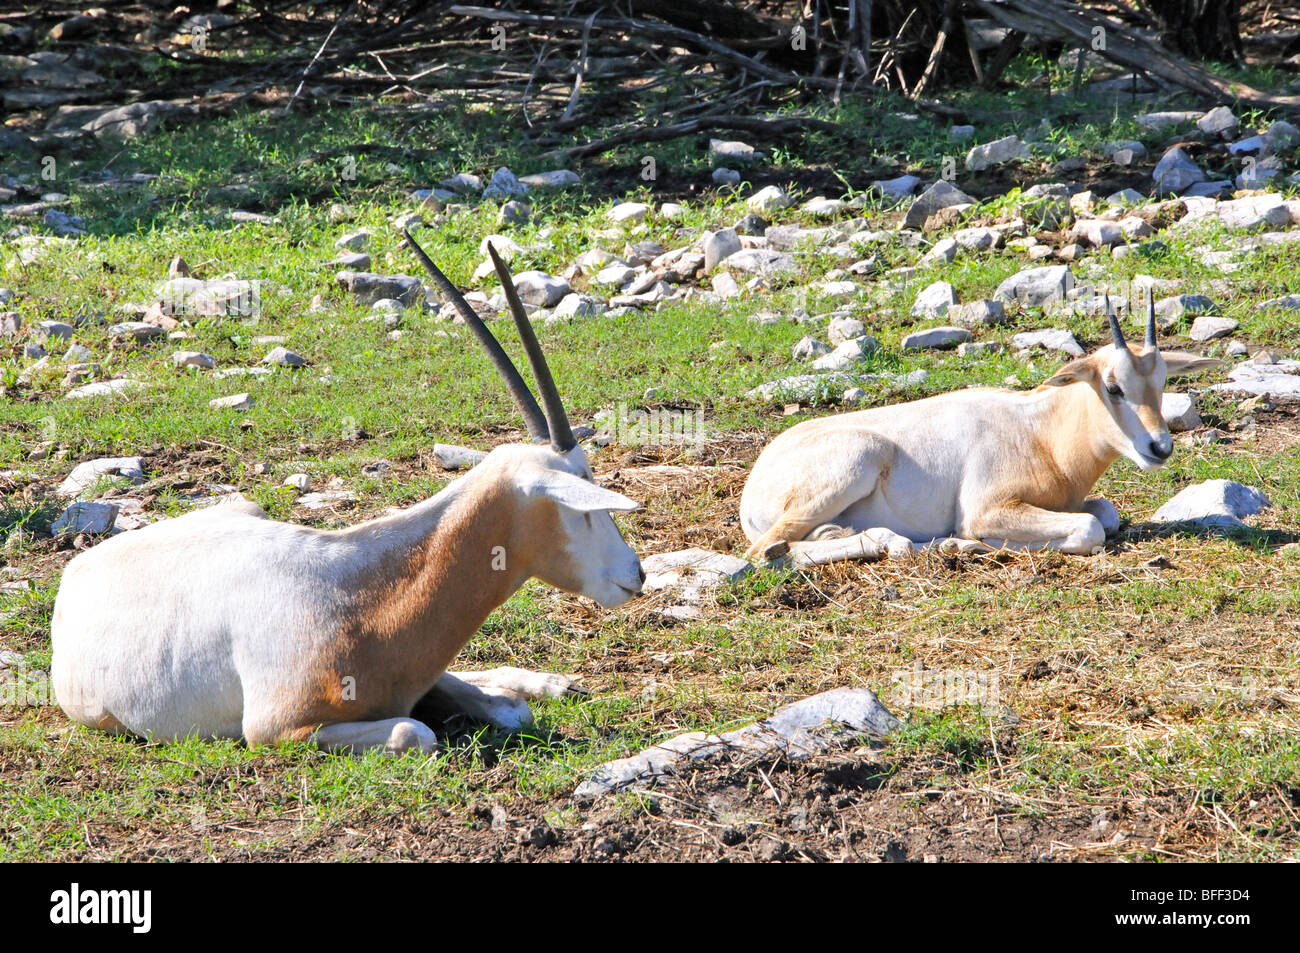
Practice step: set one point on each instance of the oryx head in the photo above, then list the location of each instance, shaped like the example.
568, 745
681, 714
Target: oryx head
1130, 385
582, 550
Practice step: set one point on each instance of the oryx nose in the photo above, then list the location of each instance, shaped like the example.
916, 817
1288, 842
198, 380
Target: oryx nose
1162, 447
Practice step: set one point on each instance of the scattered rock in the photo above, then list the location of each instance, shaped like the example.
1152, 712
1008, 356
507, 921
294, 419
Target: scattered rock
285, 358
1214, 503
556, 179
368, 287
628, 213
194, 359
105, 388
941, 338
718, 246
769, 199
847, 354
1176, 172
1206, 328
1179, 412
975, 314
239, 402
451, 457
1035, 287
938, 196
934, 301
93, 519
1053, 339
807, 348
995, 153
504, 185
540, 289
896, 189
1218, 121
86, 475
725, 176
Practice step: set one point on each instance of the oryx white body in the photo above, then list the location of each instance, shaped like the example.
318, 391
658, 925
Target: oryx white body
223, 623
974, 468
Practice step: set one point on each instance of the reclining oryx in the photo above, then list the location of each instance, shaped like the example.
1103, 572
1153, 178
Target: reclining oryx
991, 467
223, 623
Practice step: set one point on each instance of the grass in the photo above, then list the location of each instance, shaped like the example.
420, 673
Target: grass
1172, 687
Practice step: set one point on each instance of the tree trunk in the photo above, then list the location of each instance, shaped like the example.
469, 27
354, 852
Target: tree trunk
1200, 29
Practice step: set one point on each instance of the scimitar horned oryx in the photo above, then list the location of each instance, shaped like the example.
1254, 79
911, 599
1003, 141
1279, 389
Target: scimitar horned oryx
223, 623
970, 469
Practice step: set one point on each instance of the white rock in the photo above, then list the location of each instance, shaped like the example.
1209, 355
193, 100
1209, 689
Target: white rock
725, 286
807, 348
556, 179
1218, 120
1207, 327
896, 189
86, 475
1219, 503
768, 199
731, 149
977, 313
505, 246
845, 329
941, 338
354, 241
1035, 287
1153, 122
976, 239
1179, 412
540, 289
822, 207
934, 300
761, 261
233, 402
1176, 172
1254, 211
695, 568
194, 359
628, 213
718, 246
1279, 380
504, 185
92, 518
105, 388
1053, 339
938, 196
725, 176
1096, 232
995, 153
847, 354
299, 481
578, 306
670, 211
944, 252
451, 457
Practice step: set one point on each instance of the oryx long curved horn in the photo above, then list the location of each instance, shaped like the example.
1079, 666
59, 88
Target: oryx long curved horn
1151, 319
523, 397
562, 439
1116, 333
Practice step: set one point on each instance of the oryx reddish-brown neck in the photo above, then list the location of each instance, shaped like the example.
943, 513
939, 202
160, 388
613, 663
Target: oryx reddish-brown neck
424, 581
1073, 434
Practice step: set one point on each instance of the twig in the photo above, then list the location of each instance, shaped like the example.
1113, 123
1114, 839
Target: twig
328, 36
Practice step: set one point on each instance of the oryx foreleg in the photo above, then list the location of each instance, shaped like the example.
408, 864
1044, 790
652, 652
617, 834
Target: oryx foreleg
499, 696
1025, 527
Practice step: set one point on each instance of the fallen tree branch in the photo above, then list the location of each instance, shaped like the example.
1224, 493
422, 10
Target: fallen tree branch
750, 124
1075, 24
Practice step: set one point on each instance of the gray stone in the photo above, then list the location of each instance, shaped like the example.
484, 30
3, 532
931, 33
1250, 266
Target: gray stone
1285, 303
1035, 287
1253, 212
940, 339
1207, 189
299, 481
1154, 122
976, 239
1282, 136
451, 457
1176, 172
556, 179
194, 359
1206, 328
1126, 197
514, 213
1179, 412
53, 329
845, 329
732, 150
240, 402
578, 306
1171, 309
725, 176
693, 567
86, 475
1053, 339
1218, 121
995, 153
1045, 206
896, 189
284, 357
822, 207
769, 199
94, 519
368, 287
934, 300
761, 261
504, 185
540, 289
354, 241
128, 122
462, 183
10, 324
944, 252
961, 133
807, 348
627, 213
1097, 232
718, 246
978, 348
847, 354
1135, 149
105, 388
1279, 380
976, 314
138, 330
938, 196
1214, 503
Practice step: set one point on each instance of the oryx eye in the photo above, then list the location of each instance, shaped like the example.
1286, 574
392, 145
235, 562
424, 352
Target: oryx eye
1114, 390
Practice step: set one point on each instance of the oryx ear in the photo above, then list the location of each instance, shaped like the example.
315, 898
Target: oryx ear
573, 492
1081, 369
1184, 362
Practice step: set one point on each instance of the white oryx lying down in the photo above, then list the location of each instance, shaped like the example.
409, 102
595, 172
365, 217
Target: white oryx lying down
223, 623
991, 467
